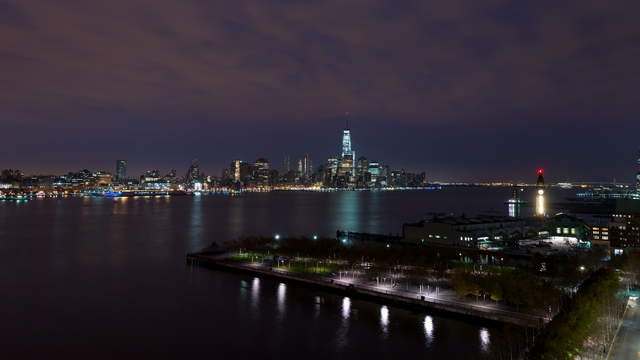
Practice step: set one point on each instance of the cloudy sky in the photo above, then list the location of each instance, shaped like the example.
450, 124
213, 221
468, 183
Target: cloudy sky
461, 89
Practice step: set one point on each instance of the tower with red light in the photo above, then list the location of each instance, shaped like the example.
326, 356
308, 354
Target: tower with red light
540, 203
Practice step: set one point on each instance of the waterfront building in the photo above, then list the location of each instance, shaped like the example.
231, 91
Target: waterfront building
151, 180
478, 232
540, 202
564, 229
121, 170
490, 231
102, 178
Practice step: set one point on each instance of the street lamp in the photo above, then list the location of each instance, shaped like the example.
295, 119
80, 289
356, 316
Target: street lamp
277, 237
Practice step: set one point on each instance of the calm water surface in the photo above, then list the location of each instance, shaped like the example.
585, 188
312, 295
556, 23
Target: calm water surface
104, 278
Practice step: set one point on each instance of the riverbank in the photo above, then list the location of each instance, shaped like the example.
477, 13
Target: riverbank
378, 293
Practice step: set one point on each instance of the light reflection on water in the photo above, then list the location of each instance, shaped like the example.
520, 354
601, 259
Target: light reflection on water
384, 319
485, 340
255, 293
342, 334
428, 329
346, 308
316, 307
195, 227
282, 292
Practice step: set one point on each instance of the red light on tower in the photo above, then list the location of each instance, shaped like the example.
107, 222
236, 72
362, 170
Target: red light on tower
540, 171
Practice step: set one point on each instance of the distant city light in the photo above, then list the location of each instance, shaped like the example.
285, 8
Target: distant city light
277, 237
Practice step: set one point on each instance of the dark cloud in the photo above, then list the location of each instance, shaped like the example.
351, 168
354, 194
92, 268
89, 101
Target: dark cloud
200, 70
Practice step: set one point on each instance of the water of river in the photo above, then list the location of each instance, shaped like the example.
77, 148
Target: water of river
103, 278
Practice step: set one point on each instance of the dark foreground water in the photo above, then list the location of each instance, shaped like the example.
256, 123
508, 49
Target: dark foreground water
103, 278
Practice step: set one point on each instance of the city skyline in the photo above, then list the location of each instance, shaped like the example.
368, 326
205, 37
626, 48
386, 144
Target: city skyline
287, 162
465, 92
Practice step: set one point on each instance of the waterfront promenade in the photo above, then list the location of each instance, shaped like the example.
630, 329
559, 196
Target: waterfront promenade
441, 300
626, 345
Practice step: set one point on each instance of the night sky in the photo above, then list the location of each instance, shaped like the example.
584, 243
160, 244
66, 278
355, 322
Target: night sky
464, 90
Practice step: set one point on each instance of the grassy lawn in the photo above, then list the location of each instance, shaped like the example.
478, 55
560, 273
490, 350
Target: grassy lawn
246, 258
315, 270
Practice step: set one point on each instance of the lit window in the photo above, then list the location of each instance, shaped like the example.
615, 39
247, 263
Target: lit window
565, 230
558, 231
573, 231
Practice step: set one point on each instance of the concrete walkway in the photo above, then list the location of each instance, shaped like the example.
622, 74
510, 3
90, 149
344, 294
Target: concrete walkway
627, 343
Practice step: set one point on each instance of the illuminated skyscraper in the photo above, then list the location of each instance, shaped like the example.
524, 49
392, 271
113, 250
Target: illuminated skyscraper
121, 170
348, 158
540, 206
346, 142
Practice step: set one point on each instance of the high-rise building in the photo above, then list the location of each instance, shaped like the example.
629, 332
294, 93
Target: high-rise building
286, 163
194, 175
305, 167
121, 170
240, 171
638, 174
346, 142
236, 166
540, 206
262, 173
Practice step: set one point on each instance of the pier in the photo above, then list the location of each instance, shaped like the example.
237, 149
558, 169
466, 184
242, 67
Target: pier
392, 296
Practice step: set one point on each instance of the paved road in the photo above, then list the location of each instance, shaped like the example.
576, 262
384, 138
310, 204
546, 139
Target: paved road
627, 345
